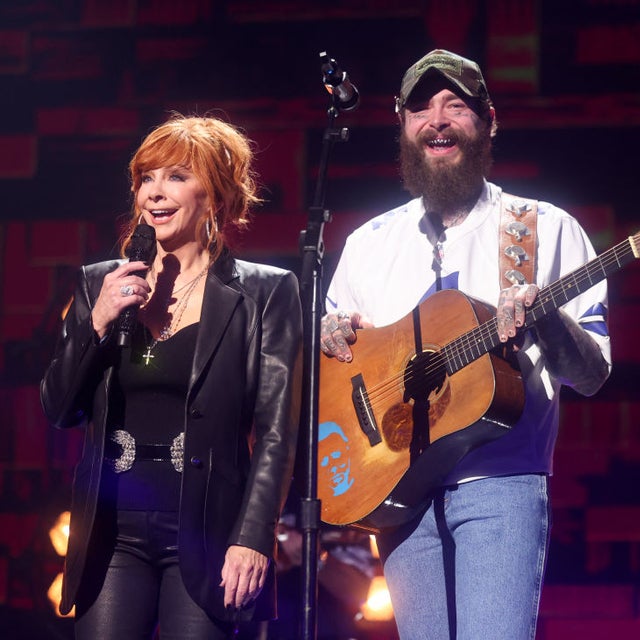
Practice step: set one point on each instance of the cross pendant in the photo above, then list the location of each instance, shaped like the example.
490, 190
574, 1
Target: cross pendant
147, 356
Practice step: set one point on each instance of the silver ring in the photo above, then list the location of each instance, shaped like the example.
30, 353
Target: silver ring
343, 315
126, 290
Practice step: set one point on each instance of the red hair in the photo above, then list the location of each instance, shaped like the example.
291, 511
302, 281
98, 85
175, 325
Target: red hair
218, 154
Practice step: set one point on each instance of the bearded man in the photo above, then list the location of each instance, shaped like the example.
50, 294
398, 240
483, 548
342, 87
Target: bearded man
470, 564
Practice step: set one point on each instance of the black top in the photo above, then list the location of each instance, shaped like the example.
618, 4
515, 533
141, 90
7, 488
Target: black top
150, 396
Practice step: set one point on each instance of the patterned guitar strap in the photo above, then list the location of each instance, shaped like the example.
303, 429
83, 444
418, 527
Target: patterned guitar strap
518, 226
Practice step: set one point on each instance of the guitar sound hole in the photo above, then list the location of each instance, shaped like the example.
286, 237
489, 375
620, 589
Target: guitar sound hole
424, 375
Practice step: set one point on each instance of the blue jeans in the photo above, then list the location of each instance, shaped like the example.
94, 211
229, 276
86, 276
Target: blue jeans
471, 568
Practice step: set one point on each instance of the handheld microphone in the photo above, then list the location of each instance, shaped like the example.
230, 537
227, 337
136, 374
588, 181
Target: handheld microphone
142, 247
337, 83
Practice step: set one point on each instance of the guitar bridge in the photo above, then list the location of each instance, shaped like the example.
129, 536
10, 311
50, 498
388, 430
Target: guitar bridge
362, 406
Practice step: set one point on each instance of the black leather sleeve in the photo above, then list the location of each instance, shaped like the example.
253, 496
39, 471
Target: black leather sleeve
79, 361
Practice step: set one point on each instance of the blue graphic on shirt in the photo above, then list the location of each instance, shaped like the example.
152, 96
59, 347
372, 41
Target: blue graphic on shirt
383, 219
335, 467
448, 282
598, 325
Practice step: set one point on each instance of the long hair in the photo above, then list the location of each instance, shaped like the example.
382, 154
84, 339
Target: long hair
220, 157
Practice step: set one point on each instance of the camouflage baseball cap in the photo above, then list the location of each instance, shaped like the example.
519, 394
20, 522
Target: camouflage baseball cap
461, 72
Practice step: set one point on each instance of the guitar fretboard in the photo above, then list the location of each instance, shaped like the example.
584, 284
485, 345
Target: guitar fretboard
475, 343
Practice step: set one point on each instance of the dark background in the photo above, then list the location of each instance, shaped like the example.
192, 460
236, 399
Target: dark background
82, 82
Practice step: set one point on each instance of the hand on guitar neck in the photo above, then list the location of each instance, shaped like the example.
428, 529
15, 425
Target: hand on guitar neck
512, 304
338, 331
572, 356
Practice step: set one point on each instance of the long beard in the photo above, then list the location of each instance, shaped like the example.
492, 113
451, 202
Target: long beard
445, 188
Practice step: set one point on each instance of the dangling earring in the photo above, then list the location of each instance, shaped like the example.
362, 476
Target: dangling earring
211, 233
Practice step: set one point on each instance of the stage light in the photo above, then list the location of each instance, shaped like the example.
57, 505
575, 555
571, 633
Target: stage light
373, 545
55, 595
378, 605
59, 533
59, 536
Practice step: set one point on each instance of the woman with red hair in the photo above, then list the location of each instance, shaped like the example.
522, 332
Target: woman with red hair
191, 420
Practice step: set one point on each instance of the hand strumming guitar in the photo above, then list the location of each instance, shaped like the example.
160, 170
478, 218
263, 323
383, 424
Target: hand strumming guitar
338, 331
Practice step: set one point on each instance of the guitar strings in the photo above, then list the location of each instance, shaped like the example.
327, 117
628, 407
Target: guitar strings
477, 339
487, 330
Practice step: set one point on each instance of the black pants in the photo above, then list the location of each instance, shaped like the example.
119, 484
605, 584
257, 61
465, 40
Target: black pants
134, 583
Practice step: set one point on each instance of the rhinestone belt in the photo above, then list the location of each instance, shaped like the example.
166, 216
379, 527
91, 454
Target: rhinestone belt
122, 450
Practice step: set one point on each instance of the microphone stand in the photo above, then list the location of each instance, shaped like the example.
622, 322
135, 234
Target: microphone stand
312, 247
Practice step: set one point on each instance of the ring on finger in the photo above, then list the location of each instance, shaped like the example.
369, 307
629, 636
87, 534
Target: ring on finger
126, 290
343, 315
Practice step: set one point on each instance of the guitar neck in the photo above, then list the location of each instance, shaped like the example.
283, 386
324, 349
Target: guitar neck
480, 340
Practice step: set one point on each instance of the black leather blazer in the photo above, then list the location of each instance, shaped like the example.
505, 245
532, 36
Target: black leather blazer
240, 422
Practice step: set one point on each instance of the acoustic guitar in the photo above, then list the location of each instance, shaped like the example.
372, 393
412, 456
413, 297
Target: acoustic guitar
420, 394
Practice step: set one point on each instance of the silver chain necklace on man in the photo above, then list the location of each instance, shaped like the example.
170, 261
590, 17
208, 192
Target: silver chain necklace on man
170, 328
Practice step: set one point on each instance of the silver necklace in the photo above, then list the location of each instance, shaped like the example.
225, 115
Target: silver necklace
170, 328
